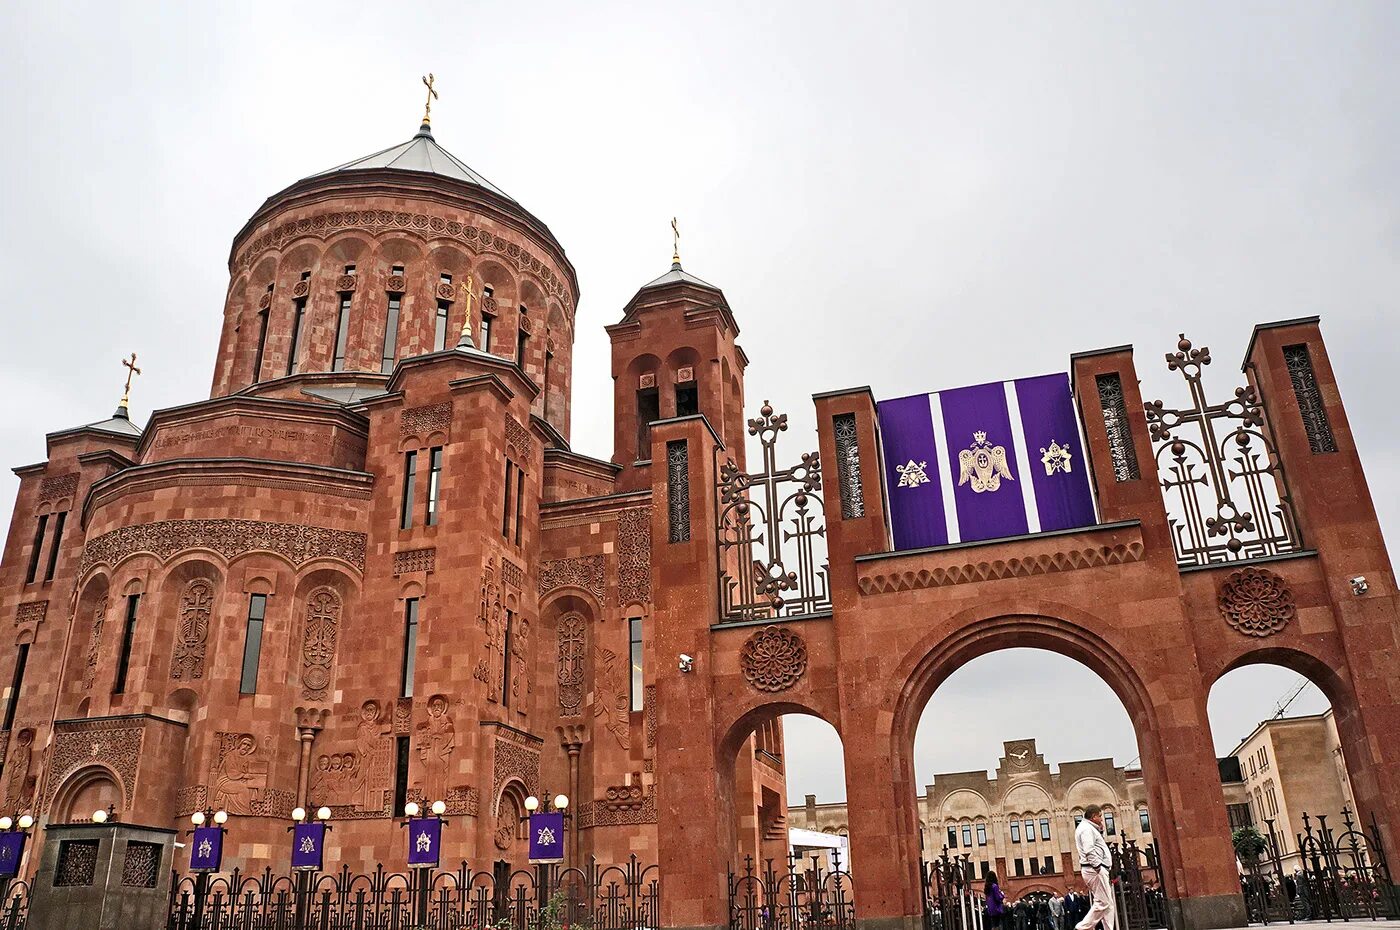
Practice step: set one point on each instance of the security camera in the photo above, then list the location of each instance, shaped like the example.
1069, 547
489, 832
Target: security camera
686, 663
1359, 585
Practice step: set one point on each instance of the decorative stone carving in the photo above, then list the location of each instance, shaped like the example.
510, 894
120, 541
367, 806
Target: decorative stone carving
265, 300
477, 241
1256, 602
573, 655
372, 762
522, 677
230, 538
507, 823
19, 774
446, 292
773, 659
415, 560
318, 643
403, 716
685, 375
649, 700
517, 436
56, 487
612, 704
634, 555
346, 283
301, 289
191, 798
647, 381
396, 284
419, 421
83, 742
436, 741
32, 612
491, 669
336, 779
517, 757
1058, 560
463, 800
599, 814
511, 574
1310, 405
94, 649
192, 633
239, 773
584, 572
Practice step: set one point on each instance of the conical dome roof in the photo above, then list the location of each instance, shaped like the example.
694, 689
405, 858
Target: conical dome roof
422, 154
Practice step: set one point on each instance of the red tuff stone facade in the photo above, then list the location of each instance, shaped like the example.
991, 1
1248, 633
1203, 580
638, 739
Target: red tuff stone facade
371, 569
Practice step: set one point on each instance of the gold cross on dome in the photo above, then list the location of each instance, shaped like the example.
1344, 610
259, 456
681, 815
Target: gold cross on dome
432, 95
675, 242
131, 370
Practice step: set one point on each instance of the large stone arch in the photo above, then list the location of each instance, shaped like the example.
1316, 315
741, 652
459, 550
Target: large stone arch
85, 790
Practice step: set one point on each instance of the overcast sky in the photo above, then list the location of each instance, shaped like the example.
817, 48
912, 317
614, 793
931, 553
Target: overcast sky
907, 196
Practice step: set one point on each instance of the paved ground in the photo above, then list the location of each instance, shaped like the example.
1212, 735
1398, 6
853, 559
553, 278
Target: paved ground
1369, 924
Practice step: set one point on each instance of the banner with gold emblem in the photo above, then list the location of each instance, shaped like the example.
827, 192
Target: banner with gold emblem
984, 462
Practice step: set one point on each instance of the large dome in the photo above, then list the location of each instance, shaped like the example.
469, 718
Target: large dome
421, 154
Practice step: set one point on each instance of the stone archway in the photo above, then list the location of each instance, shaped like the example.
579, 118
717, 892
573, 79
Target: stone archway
89, 789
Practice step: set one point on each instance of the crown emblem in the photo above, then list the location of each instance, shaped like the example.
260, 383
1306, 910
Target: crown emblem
980, 437
1056, 458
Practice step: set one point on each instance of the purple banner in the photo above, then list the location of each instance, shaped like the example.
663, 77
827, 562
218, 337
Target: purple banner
911, 473
207, 849
424, 838
308, 845
547, 837
11, 851
982, 460
1063, 498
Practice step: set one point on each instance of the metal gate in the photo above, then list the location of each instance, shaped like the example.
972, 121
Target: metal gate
951, 898
802, 896
1137, 875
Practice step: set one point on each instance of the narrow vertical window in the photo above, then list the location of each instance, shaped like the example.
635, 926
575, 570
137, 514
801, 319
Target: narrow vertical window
434, 478
488, 304
1030, 831
443, 307
1044, 828
522, 337
54, 546
634, 640
967, 835
342, 325
952, 837
133, 602
410, 468
1109, 828
252, 644
391, 327
410, 644
507, 647
981, 834
298, 318
1144, 822
1015, 831
38, 549
262, 338
400, 773
505, 504
16, 682
648, 409
548, 360
519, 500
687, 399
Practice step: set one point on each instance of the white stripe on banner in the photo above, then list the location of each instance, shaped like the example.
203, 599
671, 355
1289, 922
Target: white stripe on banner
945, 471
1023, 458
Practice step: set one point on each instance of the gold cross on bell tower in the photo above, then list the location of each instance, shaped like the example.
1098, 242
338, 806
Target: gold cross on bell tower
675, 242
432, 95
131, 371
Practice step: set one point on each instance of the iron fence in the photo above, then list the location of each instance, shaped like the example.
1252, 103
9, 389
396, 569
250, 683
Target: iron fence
14, 905
951, 898
801, 896
1340, 876
1137, 882
593, 897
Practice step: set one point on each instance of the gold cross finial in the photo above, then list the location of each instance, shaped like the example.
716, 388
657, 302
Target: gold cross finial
432, 95
675, 242
465, 342
131, 370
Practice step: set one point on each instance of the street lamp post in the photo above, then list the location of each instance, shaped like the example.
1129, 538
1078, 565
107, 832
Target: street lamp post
424, 849
206, 855
308, 848
14, 833
547, 834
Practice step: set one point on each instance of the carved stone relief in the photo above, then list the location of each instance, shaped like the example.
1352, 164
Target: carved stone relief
436, 741
85, 742
1256, 602
192, 633
55, 487
585, 572
94, 649
519, 438
517, 757
318, 643
418, 421
773, 659
32, 612
491, 669
612, 704
415, 560
573, 655
239, 774
634, 555
20, 772
230, 538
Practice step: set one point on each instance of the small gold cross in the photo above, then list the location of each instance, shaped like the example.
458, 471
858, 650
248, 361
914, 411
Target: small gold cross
675, 242
131, 370
432, 95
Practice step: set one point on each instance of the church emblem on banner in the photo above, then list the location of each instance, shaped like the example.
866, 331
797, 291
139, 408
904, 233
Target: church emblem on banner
913, 474
1056, 458
984, 464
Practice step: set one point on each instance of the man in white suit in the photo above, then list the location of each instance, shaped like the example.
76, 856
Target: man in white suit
1094, 864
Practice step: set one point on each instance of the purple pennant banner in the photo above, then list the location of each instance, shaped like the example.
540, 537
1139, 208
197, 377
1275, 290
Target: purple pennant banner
547, 837
424, 838
308, 845
984, 462
207, 849
11, 851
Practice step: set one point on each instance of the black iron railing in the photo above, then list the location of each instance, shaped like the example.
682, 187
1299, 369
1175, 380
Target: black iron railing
801, 894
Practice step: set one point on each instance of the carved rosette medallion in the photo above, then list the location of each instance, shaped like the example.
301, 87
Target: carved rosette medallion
773, 659
1256, 602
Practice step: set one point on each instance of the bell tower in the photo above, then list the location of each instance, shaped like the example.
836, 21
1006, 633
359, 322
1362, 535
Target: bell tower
673, 355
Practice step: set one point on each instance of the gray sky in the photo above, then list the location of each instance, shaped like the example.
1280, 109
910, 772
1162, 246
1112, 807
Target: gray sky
908, 196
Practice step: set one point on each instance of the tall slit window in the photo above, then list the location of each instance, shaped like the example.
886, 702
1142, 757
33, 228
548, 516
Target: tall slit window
54, 546
981, 834
16, 682
519, 500
634, 639
342, 326
434, 481
505, 503
1044, 828
391, 327
648, 409
252, 644
967, 835
410, 468
487, 317
522, 338
133, 603
410, 645
440, 321
401, 755
1109, 827
38, 549
544, 389
1015, 831
507, 647
298, 317
952, 837
262, 339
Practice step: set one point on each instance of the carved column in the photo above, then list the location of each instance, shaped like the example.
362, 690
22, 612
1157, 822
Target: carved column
310, 720
572, 738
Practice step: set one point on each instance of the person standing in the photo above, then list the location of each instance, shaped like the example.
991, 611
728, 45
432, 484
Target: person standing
1057, 912
1094, 864
996, 901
